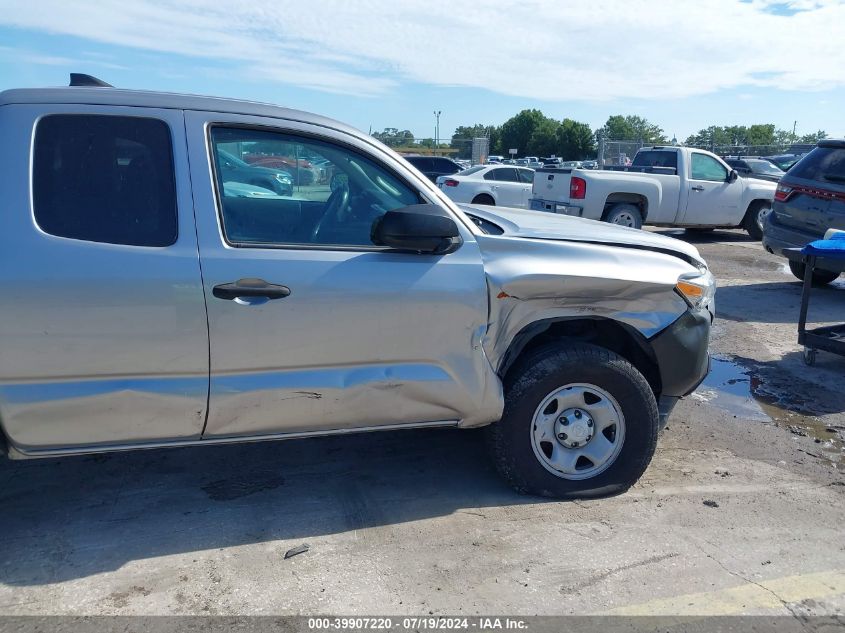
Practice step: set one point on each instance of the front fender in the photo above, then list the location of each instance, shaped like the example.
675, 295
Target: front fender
531, 281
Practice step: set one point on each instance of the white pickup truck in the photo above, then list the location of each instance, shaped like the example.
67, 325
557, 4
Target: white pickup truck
664, 186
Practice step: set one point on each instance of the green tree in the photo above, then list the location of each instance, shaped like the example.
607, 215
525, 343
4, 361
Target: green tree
814, 137
516, 132
392, 137
544, 139
575, 141
632, 128
717, 135
760, 134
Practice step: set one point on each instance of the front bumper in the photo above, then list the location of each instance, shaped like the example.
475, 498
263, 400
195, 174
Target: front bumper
682, 355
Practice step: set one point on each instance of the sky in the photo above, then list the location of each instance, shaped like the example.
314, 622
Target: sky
683, 64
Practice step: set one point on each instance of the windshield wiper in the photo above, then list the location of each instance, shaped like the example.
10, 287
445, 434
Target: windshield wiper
833, 178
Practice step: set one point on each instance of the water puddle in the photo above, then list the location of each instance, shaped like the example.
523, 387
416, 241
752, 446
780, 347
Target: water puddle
737, 390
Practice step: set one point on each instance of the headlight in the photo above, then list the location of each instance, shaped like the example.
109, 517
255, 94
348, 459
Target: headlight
284, 178
698, 290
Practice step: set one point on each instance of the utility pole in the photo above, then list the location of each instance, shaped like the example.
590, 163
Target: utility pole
794, 125
436, 130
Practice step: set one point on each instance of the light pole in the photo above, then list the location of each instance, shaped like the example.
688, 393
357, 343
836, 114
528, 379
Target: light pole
436, 130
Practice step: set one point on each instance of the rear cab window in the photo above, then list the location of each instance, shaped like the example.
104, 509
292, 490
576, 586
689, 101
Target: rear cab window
656, 158
105, 178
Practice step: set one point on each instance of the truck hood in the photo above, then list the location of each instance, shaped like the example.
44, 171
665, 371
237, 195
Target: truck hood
550, 226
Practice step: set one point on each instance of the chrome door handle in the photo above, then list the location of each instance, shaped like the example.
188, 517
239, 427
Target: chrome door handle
697, 188
250, 287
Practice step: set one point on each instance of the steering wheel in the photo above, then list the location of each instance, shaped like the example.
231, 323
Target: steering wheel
337, 207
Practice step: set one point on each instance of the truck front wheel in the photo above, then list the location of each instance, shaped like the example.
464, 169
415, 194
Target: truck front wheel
755, 218
579, 421
625, 215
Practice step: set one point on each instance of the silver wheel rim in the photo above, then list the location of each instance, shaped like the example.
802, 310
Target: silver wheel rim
761, 216
578, 431
625, 219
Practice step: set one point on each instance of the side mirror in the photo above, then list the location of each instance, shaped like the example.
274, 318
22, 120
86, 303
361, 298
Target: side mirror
419, 228
732, 175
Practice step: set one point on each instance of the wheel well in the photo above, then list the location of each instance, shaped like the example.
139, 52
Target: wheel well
612, 335
638, 200
485, 196
756, 202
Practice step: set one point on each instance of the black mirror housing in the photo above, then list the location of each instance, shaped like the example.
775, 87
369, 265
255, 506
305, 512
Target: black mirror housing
419, 228
732, 175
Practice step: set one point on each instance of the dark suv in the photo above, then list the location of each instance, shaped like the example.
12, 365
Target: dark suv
434, 166
810, 199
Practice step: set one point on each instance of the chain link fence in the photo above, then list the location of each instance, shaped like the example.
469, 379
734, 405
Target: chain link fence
619, 153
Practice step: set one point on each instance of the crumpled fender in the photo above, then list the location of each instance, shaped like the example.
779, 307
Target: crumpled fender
556, 279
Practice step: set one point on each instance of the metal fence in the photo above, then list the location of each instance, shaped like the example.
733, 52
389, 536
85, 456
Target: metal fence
614, 153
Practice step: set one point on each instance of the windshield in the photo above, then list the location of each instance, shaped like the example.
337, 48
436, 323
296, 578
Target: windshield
759, 166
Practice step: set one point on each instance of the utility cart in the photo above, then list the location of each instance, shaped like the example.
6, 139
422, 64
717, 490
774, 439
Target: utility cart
831, 253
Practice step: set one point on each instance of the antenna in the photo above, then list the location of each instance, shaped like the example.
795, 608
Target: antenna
80, 79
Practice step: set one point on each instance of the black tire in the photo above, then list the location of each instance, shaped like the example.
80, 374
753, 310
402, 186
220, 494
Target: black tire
539, 374
620, 212
820, 277
751, 222
484, 199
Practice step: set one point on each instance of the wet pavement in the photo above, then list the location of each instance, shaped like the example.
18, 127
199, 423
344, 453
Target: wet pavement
736, 389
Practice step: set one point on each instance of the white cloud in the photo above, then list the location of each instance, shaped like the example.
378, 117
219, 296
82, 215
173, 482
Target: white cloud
563, 50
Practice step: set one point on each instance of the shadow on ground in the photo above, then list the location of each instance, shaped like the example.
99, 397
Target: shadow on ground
74, 517
779, 302
706, 237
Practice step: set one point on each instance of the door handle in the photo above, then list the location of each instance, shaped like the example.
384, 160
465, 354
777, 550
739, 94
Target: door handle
250, 287
697, 188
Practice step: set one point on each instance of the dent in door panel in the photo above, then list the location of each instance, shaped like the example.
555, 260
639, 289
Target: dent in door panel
272, 402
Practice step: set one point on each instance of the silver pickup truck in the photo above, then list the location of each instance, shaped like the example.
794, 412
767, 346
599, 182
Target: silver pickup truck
153, 296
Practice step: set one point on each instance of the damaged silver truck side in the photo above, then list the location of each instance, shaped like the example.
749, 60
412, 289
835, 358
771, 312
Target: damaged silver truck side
161, 290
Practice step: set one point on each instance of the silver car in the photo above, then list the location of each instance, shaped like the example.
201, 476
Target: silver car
147, 302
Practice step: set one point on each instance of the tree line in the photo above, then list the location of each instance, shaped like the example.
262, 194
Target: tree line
532, 133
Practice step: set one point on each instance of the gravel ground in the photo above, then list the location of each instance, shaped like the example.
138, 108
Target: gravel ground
741, 511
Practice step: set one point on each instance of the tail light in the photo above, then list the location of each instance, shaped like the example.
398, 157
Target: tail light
451, 182
783, 192
577, 188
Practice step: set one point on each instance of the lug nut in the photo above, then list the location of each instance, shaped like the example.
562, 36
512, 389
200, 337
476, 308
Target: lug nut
574, 444
561, 436
589, 423
564, 421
